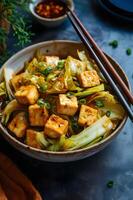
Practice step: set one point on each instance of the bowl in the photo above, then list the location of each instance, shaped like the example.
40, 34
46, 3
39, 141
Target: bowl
49, 22
60, 48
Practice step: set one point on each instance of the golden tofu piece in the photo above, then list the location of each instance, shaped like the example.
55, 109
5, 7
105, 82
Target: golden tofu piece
18, 124
27, 95
67, 105
31, 139
89, 78
52, 60
55, 126
37, 115
87, 115
17, 81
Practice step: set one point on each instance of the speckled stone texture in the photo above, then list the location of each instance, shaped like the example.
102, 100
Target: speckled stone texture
86, 179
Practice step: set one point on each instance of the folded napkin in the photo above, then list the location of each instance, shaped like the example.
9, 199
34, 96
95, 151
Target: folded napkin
14, 185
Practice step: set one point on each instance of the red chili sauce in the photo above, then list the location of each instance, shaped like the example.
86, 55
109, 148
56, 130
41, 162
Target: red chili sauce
50, 9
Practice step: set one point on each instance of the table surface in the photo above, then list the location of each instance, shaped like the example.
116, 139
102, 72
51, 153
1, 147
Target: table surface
87, 179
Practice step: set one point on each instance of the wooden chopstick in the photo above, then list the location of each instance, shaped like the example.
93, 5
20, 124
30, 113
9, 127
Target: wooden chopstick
108, 65
86, 40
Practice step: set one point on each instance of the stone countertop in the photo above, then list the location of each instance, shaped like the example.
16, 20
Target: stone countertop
87, 179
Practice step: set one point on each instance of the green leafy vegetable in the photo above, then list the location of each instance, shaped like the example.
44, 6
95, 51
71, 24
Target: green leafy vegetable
69, 83
94, 141
96, 130
113, 43
41, 139
9, 109
90, 91
3, 89
83, 58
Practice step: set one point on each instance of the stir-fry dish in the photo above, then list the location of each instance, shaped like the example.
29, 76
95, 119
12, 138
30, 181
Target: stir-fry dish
60, 104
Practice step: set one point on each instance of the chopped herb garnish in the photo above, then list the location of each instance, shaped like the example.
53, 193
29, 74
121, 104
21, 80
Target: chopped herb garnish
82, 101
110, 184
41, 103
99, 103
69, 94
129, 51
43, 88
108, 113
113, 43
47, 71
74, 124
60, 65
47, 105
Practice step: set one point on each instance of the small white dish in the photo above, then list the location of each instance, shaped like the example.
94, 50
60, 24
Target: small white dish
49, 22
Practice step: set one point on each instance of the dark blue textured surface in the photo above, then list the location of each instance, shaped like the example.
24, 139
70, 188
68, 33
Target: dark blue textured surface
86, 179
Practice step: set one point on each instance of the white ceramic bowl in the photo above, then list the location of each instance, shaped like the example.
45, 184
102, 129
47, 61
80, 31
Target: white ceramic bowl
60, 48
47, 22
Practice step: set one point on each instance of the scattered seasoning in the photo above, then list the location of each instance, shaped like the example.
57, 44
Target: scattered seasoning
113, 43
50, 9
99, 103
129, 51
110, 184
108, 113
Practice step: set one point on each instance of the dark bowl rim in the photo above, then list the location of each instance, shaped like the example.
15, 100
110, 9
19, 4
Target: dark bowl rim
111, 136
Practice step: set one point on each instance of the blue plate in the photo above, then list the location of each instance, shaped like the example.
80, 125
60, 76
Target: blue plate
120, 8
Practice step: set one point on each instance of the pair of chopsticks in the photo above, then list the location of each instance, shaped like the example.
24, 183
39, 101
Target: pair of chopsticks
111, 75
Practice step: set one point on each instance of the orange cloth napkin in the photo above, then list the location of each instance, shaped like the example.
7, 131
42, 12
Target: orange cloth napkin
14, 185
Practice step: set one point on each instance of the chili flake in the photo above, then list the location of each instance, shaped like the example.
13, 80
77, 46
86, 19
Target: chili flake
50, 9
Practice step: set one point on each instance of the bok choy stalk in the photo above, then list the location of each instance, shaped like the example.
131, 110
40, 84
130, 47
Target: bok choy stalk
41, 139
3, 89
96, 130
9, 109
110, 105
69, 83
90, 91
84, 58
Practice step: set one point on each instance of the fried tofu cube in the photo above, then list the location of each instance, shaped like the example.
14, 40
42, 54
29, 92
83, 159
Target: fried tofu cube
27, 94
19, 124
67, 105
37, 115
52, 60
31, 138
55, 126
87, 115
17, 81
89, 78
